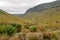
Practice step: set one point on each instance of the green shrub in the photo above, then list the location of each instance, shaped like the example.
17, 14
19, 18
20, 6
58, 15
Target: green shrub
2, 30
18, 27
7, 30
10, 30
33, 29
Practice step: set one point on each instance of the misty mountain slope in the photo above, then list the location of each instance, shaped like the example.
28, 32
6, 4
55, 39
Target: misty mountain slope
8, 18
44, 6
51, 15
44, 13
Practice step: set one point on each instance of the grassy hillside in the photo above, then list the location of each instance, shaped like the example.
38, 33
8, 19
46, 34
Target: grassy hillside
44, 13
46, 20
46, 16
8, 18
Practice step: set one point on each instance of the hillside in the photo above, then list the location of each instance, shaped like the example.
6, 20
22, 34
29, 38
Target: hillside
8, 18
44, 6
44, 13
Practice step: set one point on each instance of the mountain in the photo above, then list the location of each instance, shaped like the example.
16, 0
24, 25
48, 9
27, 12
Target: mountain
44, 6
8, 18
44, 13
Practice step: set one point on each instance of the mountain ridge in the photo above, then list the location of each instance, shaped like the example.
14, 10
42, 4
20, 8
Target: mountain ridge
44, 6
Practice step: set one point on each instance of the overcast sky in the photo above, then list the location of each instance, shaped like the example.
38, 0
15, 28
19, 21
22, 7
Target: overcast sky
20, 6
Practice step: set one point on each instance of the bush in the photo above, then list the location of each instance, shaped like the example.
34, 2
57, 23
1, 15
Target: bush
18, 27
33, 29
10, 30
7, 30
2, 30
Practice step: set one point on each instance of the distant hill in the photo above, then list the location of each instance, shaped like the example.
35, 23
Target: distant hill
8, 18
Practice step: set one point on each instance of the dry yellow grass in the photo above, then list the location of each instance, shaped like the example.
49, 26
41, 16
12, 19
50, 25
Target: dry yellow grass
34, 36
45, 17
8, 18
17, 37
4, 37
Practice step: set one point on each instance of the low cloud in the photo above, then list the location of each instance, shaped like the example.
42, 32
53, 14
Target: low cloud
19, 6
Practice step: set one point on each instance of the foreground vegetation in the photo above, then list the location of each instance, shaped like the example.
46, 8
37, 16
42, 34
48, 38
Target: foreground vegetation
29, 31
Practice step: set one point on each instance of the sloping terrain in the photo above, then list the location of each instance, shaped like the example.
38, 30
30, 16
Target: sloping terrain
43, 7
8, 18
44, 13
